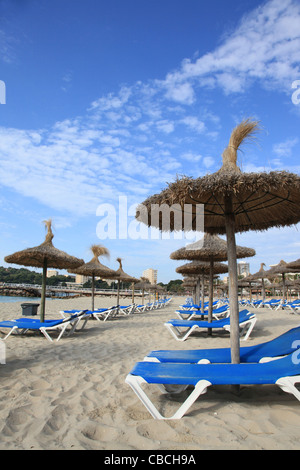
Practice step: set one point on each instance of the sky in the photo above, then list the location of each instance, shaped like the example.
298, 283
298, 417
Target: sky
105, 102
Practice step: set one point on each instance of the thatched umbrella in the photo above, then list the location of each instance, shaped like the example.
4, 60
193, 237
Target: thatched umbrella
44, 256
259, 275
96, 269
289, 285
211, 249
156, 288
233, 202
189, 284
142, 284
294, 265
280, 269
202, 268
124, 277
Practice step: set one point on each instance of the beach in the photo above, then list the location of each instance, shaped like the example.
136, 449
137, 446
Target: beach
72, 394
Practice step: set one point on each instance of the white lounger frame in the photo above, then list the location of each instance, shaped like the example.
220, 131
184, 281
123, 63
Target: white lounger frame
44, 330
287, 384
247, 327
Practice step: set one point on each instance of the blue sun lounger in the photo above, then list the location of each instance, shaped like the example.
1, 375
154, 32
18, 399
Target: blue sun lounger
284, 372
99, 314
280, 346
22, 325
247, 321
189, 314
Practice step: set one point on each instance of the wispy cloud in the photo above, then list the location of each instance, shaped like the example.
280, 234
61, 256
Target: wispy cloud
265, 47
133, 141
284, 149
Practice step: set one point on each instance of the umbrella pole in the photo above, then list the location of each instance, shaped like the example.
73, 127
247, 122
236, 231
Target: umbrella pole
197, 294
132, 292
118, 294
43, 293
283, 285
263, 289
233, 281
202, 293
211, 287
93, 292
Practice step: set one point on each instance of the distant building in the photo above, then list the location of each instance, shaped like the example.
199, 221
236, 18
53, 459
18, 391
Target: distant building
151, 274
80, 279
243, 269
51, 272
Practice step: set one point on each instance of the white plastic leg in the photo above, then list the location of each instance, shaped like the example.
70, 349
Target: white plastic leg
287, 384
135, 383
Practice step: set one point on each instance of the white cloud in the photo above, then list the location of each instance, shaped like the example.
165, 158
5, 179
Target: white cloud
191, 157
165, 126
194, 123
208, 162
112, 101
264, 47
180, 92
284, 149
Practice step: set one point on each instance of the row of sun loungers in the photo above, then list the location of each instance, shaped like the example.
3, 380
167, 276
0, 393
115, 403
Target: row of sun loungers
73, 320
274, 362
274, 304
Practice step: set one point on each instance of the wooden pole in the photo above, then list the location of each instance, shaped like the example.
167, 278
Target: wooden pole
93, 292
132, 286
211, 293
202, 293
283, 287
197, 293
118, 294
43, 293
263, 289
233, 281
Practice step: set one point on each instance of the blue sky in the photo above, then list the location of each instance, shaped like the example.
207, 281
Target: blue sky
109, 98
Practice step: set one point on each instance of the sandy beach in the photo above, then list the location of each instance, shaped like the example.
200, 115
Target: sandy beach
71, 394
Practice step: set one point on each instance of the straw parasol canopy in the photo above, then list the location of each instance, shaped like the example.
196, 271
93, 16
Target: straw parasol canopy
259, 275
95, 269
280, 269
233, 202
124, 277
295, 265
156, 289
210, 248
143, 284
44, 256
197, 267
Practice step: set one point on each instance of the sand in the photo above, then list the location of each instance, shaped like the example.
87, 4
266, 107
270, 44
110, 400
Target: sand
71, 394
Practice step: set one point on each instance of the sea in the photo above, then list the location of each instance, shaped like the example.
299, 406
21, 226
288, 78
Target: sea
11, 298
8, 298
